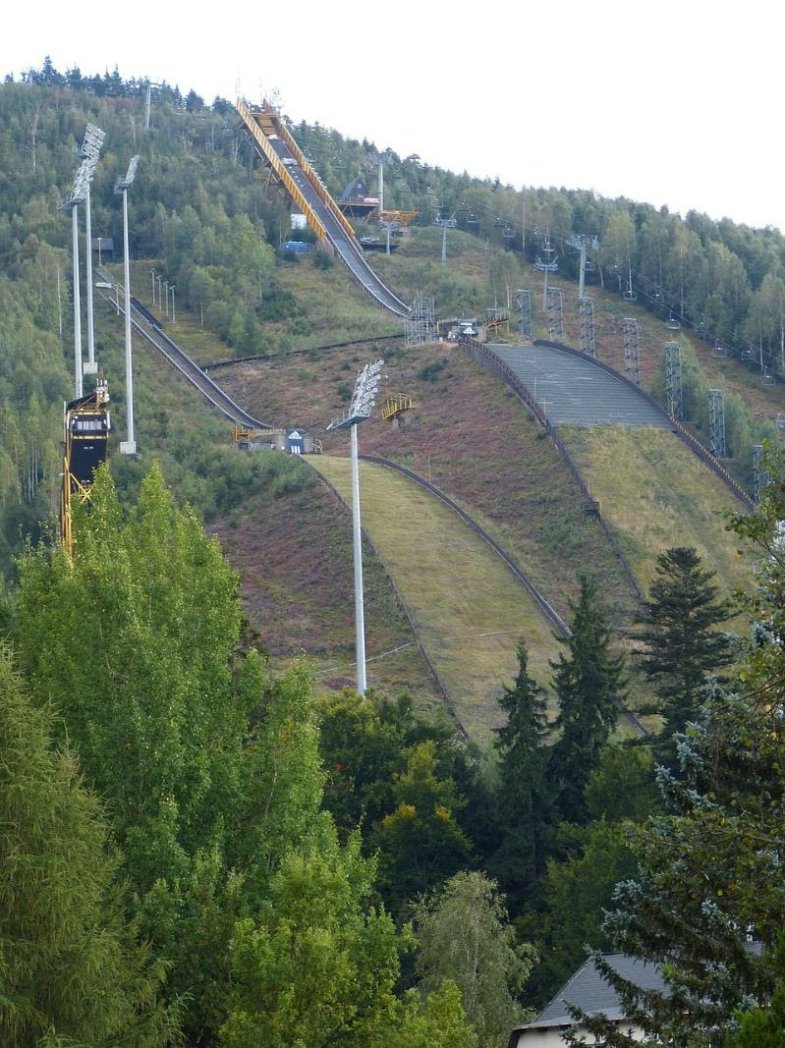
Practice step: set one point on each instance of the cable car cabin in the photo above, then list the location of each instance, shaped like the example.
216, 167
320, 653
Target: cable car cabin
87, 426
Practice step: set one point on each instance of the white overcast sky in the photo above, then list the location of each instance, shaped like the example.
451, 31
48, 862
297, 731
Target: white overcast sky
673, 103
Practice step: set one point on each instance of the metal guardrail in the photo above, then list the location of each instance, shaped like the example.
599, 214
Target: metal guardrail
152, 331
449, 705
480, 352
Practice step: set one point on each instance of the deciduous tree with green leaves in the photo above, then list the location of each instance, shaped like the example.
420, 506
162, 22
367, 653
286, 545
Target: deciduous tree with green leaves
319, 965
72, 970
208, 771
420, 842
464, 937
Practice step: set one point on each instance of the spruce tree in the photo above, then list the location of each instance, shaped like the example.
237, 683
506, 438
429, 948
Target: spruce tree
682, 646
589, 684
523, 809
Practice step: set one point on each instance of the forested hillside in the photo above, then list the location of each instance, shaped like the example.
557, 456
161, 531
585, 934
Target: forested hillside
204, 842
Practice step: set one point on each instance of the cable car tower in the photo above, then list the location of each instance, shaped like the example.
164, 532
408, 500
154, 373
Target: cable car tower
549, 264
581, 242
87, 426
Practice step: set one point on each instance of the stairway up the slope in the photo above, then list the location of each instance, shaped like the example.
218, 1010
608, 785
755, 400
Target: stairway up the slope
574, 390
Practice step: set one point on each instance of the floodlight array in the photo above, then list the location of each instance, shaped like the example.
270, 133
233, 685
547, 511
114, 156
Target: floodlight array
125, 183
81, 186
363, 398
93, 140
365, 389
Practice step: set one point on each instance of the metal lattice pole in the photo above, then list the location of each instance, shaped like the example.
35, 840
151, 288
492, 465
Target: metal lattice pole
555, 312
549, 264
673, 379
717, 444
632, 349
524, 303
420, 325
586, 314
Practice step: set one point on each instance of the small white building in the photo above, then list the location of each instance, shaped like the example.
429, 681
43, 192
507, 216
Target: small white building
588, 991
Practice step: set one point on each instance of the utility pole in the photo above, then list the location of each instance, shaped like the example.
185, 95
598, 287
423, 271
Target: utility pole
581, 242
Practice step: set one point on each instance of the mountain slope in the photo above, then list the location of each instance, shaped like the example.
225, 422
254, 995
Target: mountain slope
468, 609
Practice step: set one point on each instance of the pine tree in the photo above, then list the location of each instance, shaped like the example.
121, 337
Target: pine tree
708, 876
682, 646
523, 806
589, 684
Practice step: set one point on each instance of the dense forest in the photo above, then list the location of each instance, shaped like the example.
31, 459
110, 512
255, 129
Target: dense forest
197, 850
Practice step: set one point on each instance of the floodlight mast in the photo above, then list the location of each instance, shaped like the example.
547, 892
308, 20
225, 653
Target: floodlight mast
90, 151
363, 399
127, 447
78, 196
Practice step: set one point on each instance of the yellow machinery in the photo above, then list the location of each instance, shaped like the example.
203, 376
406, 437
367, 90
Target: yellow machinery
395, 406
264, 124
87, 426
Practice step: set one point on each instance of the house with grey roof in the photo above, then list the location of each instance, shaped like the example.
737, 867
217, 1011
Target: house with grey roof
588, 991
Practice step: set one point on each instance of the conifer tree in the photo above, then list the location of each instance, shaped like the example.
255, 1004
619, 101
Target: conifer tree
523, 805
588, 681
678, 630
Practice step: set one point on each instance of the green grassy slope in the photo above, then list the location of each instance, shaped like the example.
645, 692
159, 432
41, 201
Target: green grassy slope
468, 609
656, 493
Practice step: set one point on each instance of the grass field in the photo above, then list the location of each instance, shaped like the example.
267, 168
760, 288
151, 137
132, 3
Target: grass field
468, 609
656, 494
